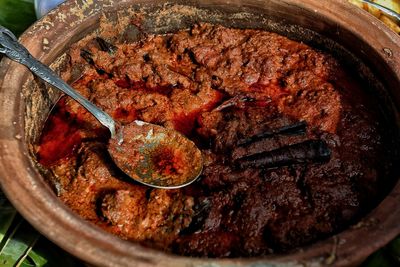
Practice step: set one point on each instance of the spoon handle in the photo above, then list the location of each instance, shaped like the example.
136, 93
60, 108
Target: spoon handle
10, 46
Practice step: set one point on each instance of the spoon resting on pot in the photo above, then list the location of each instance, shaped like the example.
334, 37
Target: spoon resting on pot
148, 153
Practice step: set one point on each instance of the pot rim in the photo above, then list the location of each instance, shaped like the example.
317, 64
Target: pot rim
33, 198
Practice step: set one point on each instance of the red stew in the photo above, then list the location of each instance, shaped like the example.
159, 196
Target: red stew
295, 150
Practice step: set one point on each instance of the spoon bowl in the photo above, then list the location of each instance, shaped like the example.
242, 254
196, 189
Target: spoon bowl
156, 156
148, 153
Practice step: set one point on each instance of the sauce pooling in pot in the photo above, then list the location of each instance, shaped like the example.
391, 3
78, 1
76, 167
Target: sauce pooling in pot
295, 150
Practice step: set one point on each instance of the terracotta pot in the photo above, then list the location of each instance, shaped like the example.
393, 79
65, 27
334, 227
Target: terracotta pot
25, 105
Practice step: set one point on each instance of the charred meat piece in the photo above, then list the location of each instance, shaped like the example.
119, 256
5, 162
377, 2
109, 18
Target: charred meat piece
308, 151
201, 210
106, 46
88, 57
238, 101
296, 128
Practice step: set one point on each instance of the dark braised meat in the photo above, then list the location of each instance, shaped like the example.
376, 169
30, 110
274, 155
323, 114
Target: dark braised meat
291, 129
308, 151
294, 148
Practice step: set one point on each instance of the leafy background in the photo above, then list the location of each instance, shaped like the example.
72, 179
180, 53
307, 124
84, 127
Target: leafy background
21, 245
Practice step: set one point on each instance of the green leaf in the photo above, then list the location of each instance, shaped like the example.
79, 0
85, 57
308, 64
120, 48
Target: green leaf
21, 245
7, 215
44, 250
37, 259
17, 15
381, 259
394, 249
20, 240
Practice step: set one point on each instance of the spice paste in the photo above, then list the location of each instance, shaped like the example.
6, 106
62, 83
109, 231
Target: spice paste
294, 148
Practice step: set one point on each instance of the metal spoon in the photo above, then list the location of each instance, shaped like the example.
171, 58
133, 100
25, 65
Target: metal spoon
148, 153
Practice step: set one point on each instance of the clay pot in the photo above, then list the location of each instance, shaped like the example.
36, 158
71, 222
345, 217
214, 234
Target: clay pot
25, 105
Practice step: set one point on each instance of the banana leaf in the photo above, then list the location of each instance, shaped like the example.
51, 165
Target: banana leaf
394, 250
21, 245
18, 243
7, 215
380, 259
17, 15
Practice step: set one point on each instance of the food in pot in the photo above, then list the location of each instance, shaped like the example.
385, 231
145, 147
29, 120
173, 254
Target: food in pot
295, 148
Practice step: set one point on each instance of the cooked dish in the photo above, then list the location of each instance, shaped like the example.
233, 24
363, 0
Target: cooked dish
295, 148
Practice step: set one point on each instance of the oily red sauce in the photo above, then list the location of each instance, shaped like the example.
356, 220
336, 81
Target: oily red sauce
126, 115
123, 83
185, 123
168, 161
60, 137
